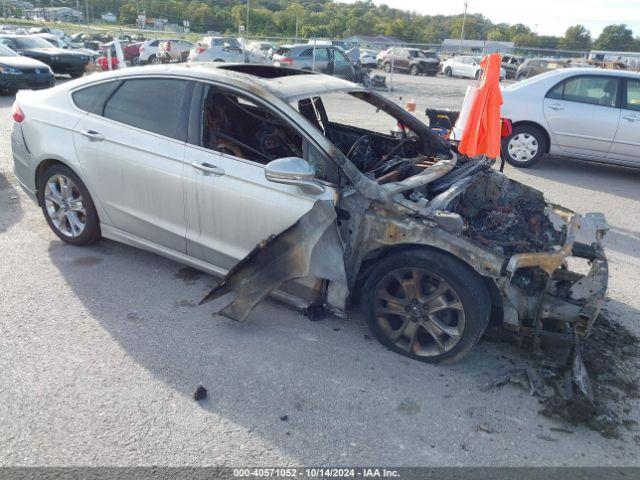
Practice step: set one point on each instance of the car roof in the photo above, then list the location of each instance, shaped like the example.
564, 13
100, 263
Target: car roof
287, 87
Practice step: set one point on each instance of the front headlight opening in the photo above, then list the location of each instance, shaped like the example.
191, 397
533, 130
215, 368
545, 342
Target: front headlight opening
7, 70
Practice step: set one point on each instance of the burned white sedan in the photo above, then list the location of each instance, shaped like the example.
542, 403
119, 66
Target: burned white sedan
312, 189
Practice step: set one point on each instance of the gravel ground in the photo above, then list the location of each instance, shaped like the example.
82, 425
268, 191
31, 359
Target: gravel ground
101, 349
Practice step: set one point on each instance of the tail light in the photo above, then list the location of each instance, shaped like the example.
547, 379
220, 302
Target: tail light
200, 49
17, 113
286, 60
141, 50
168, 48
506, 129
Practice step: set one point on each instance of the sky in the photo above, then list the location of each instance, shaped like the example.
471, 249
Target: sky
545, 17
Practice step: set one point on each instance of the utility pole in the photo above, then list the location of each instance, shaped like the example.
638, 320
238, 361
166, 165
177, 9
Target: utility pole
246, 27
296, 30
464, 19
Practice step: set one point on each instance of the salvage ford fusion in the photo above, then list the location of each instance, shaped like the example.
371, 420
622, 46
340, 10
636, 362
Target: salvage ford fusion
315, 190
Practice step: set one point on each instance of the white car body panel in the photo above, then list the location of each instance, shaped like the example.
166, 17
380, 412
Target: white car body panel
585, 131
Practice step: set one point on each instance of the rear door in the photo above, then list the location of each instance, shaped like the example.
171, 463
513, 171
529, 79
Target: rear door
583, 114
626, 144
131, 149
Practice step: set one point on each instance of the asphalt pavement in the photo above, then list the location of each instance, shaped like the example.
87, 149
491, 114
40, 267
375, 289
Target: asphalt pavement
102, 348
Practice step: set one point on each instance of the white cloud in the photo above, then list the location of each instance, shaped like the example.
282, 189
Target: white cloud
546, 17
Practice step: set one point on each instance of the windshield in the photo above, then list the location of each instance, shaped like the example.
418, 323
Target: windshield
7, 52
31, 42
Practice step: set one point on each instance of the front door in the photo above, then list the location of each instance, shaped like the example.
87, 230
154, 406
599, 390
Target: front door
342, 66
626, 144
582, 113
131, 151
230, 206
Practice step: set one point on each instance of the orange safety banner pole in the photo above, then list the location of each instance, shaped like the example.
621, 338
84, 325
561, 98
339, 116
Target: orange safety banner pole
481, 135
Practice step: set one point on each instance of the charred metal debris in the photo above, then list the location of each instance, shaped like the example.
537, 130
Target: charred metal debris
416, 191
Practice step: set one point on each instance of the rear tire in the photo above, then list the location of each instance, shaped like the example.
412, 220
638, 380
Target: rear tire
437, 320
70, 212
414, 70
76, 74
448, 72
387, 67
525, 146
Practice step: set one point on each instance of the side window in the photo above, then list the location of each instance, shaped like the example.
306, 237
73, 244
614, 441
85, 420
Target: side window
306, 53
91, 99
596, 90
556, 92
322, 54
8, 42
633, 95
237, 126
151, 104
340, 59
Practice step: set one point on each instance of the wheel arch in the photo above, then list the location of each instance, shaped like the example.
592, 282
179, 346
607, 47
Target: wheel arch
524, 123
42, 166
48, 162
375, 255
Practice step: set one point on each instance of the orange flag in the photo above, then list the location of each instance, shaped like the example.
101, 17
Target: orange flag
481, 135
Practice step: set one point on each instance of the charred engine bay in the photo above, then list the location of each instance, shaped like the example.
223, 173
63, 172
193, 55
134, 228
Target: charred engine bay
498, 213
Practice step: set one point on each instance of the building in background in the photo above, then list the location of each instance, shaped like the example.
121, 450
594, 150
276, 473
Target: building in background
109, 17
54, 14
376, 42
475, 47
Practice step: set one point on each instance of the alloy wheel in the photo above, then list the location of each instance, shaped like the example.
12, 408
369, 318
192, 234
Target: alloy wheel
419, 312
65, 206
522, 147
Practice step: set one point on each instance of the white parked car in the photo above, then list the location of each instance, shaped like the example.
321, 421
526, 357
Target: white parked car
465, 67
368, 58
148, 51
174, 50
586, 113
217, 49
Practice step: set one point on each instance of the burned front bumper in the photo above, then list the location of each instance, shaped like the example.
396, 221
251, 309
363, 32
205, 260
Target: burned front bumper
569, 301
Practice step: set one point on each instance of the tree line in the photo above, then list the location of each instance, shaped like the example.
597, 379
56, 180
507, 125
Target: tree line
326, 18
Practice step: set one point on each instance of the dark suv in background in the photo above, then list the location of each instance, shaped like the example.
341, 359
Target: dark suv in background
411, 60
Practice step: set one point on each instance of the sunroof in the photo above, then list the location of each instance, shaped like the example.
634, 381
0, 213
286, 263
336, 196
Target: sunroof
264, 71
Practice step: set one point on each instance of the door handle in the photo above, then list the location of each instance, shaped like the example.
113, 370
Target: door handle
92, 135
208, 168
556, 107
631, 118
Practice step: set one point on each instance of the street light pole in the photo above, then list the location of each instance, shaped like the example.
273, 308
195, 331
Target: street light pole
464, 19
246, 27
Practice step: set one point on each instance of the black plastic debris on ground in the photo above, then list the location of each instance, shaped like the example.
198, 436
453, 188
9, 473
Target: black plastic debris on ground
200, 393
600, 400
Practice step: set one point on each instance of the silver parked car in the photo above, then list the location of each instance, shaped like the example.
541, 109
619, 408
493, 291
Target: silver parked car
299, 184
327, 59
587, 113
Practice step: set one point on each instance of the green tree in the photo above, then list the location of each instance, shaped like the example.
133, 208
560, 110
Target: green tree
576, 37
615, 37
127, 14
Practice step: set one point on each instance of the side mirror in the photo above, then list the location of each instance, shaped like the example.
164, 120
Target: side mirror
293, 171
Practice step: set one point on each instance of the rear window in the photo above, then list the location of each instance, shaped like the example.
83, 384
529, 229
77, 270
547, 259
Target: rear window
154, 43
283, 51
152, 104
91, 99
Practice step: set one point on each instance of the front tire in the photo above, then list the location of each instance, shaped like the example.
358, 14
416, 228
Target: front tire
414, 70
448, 72
67, 206
76, 74
426, 305
387, 67
524, 147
